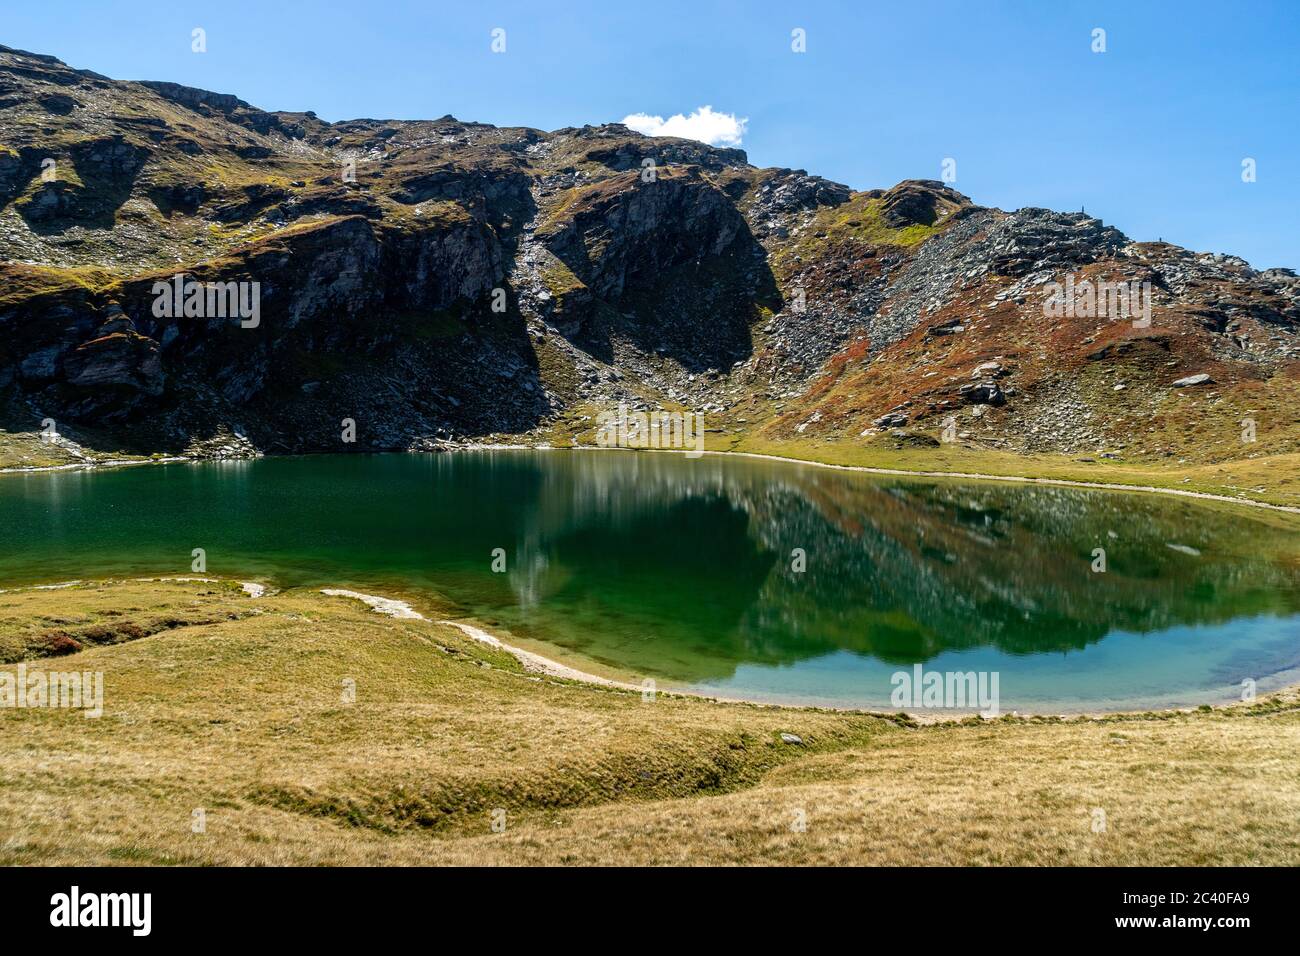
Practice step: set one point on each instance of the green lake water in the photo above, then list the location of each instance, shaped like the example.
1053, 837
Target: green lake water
681, 569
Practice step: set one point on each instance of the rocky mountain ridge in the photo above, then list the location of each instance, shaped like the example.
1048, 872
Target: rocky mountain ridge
445, 280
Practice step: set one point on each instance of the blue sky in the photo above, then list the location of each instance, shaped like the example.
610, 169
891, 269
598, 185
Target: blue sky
1149, 135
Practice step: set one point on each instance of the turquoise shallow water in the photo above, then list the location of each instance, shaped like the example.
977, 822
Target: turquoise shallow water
681, 569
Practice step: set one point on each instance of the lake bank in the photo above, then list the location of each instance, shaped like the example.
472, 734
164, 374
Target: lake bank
1061, 471
556, 663
316, 731
586, 672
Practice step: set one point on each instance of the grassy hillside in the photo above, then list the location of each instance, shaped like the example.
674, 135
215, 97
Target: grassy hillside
236, 706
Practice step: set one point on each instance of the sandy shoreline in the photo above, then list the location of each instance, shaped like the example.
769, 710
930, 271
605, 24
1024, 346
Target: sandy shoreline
535, 663
540, 665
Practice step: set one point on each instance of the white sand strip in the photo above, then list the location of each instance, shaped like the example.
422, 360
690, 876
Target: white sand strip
382, 605
536, 663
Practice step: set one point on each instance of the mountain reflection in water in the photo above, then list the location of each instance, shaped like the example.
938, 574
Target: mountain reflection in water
683, 569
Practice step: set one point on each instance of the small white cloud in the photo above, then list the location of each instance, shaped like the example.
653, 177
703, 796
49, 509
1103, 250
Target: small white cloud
716, 129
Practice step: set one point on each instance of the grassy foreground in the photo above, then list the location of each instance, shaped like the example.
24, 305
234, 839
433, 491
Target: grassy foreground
235, 706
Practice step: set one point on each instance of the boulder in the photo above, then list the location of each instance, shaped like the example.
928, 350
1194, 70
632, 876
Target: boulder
982, 393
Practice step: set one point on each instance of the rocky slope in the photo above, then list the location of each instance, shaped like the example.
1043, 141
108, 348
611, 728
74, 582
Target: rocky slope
432, 280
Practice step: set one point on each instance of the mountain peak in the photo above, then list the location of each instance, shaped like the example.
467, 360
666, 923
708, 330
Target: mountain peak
445, 277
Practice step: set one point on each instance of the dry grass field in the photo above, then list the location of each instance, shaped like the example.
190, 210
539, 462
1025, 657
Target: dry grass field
302, 729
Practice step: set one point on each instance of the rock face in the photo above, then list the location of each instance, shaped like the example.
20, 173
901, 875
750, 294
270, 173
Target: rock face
436, 282
123, 358
619, 233
224, 445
